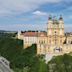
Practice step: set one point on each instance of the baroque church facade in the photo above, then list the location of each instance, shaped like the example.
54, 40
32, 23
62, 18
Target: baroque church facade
53, 41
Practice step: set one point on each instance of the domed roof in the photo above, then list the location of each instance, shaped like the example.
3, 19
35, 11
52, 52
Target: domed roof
61, 18
50, 17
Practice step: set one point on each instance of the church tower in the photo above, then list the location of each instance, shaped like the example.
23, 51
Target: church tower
50, 31
55, 30
61, 25
61, 30
49, 25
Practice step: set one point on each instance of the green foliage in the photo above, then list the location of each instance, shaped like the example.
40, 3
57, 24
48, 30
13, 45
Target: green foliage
21, 60
61, 63
26, 60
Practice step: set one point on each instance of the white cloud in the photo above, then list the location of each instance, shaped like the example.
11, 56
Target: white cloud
13, 7
39, 13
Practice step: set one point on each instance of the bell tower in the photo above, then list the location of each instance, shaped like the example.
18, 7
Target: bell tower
61, 25
49, 26
61, 30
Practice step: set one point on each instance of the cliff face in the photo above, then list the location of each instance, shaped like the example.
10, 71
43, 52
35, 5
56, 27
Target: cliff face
4, 65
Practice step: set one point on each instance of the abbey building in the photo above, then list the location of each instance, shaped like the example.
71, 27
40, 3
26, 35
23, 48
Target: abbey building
55, 40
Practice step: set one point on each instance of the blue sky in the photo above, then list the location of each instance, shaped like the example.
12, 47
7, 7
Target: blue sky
32, 14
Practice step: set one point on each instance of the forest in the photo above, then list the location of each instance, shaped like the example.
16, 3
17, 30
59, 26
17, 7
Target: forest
26, 60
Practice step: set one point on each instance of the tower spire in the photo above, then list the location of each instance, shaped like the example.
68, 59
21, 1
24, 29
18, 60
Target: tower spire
50, 17
61, 18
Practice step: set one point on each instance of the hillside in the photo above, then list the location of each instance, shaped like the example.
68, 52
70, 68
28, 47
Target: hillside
21, 60
26, 60
61, 63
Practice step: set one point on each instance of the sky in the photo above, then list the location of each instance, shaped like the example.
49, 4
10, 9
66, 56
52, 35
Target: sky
17, 15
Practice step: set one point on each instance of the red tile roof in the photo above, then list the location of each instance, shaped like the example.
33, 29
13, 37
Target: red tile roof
34, 33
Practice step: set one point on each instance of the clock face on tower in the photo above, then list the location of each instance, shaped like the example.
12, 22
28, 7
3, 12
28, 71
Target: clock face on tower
55, 33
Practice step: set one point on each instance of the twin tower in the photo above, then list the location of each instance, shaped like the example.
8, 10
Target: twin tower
55, 30
55, 27
52, 41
